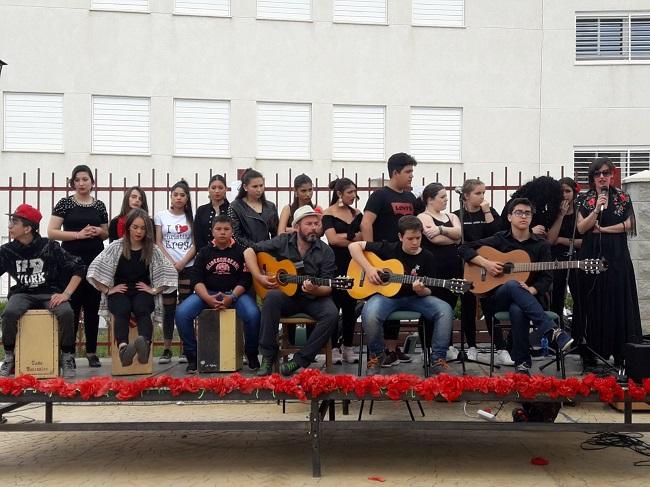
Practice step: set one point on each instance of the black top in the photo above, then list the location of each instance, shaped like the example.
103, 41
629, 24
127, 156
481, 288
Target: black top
250, 227
203, 223
131, 271
41, 267
221, 270
114, 230
560, 251
414, 265
75, 218
318, 261
342, 254
537, 248
475, 226
389, 206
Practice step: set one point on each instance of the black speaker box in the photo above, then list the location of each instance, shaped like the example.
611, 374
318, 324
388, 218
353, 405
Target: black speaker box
637, 360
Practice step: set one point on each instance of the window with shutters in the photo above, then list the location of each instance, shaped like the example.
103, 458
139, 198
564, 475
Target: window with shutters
613, 38
284, 9
435, 134
630, 160
120, 125
202, 128
360, 12
358, 133
438, 13
283, 130
210, 8
33, 122
120, 5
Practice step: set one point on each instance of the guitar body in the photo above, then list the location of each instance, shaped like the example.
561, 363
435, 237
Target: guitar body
484, 283
363, 287
274, 268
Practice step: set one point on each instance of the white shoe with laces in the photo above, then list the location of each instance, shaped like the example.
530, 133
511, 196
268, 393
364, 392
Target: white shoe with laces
503, 358
452, 353
348, 355
472, 354
337, 358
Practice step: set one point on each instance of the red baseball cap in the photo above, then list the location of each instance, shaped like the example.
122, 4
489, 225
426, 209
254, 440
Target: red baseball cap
28, 212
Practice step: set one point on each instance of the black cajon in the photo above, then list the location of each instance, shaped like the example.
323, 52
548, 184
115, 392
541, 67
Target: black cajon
637, 360
219, 337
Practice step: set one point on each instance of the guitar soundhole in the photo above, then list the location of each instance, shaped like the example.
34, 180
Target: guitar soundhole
281, 277
385, 276
507, 267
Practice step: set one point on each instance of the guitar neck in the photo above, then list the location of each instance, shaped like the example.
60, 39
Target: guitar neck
318, 281
427, 281
546, 266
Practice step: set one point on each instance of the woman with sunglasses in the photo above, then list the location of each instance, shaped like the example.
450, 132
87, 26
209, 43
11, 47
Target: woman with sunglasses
611, 308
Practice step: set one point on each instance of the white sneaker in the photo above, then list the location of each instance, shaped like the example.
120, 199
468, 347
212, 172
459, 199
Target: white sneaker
472, 353
452, 353
182, 359
348, 355
337, 358
503, 358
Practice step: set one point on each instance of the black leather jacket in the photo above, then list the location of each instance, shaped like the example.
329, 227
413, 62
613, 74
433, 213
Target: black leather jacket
250, 227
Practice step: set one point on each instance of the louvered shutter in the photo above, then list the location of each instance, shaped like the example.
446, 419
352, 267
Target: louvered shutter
360, 11
442, 13
435, 134
121, 5
284, 9
358, 133
202, 128
283, 131
214, 8
33, 122
120, 125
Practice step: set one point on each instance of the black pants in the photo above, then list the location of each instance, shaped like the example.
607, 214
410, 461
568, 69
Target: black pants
19, 304
121, 305
277, 304
348, 306
468, 319
88, 298
170, 301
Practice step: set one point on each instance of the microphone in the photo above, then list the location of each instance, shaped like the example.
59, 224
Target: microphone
603, 190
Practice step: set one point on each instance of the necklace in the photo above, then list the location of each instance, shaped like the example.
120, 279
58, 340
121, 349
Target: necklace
92, 202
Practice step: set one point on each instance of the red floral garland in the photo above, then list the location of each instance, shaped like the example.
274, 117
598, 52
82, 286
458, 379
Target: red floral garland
311, 383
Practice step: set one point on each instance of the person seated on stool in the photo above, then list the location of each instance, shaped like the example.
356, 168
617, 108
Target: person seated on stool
305, 248
132, 273
220, 280
520, 299
42, 271
415, 297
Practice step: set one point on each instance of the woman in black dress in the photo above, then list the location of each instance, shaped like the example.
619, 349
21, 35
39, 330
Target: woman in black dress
342, 225
134, 197
610, 302
85, 227
218, 205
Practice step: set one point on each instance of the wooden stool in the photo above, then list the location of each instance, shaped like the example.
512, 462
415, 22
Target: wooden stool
285, 346
219, 340
37, 344
136, 368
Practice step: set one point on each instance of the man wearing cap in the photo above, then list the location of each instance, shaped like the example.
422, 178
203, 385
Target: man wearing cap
314, 258
46, 277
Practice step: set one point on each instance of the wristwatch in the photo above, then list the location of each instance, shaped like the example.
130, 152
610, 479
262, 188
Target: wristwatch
234, 298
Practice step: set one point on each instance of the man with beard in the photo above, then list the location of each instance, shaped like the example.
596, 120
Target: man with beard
315, 258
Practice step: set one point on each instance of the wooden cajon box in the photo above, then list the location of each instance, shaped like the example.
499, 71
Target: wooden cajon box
219, 337
37, 344
136, 368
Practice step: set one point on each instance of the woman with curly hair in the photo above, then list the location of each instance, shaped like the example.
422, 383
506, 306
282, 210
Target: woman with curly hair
545, 193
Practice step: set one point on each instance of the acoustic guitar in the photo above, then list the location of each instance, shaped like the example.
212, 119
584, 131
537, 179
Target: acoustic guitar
517, 267
392, 276
288, 278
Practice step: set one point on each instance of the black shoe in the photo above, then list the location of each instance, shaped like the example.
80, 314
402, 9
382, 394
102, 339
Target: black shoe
523, 369
127, 353
142, 349
402, 358
253, 361
289, 368
191, 365
266, 367
93, 361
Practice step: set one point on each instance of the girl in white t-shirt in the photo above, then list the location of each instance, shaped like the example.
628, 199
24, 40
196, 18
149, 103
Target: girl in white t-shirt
174, 237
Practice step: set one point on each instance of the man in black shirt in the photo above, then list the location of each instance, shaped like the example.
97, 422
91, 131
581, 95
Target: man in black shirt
220, 280
415, 297
380, 223
316, 258
519, 298
46, 277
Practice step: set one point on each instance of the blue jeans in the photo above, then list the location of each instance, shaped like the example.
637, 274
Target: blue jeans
192, 306
523, 308
378, 308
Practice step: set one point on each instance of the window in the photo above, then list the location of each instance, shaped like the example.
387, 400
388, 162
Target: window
121, 5
283, 131
284, 9
436, 134
440, 13
620, 38
120, 125
201, 128
213, 8
358, 133
360, 11
629, 160
33, 122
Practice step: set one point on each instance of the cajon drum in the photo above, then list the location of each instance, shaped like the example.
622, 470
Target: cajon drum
37, 344
136, 368
219, 337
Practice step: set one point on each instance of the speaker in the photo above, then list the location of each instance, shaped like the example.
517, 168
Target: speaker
637, 360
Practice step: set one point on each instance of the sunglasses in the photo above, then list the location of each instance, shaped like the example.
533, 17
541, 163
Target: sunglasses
605, 174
